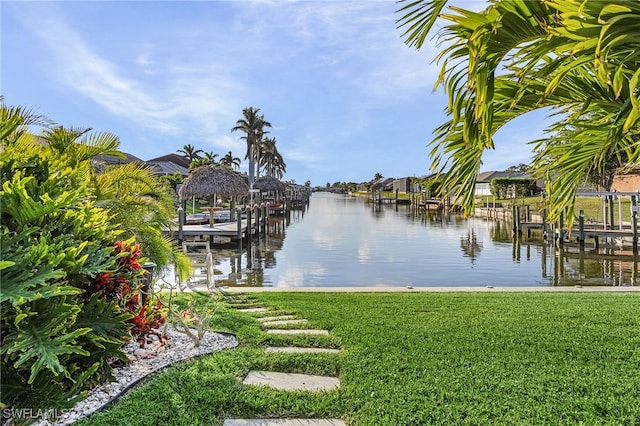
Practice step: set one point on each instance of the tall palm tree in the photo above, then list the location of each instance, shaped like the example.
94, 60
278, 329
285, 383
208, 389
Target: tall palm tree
271, 159
230, 161
252, 125
580, 59
190, 152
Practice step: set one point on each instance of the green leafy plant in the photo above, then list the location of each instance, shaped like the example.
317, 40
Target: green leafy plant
69, 297
54, 242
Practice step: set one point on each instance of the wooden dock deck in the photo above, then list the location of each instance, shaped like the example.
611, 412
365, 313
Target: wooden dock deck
613, 237
222, 232
224, 229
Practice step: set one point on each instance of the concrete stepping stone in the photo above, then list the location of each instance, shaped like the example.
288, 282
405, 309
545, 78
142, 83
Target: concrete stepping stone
297, 331
284, 422
295, 349
281, 317
284, 322
253, 310
246, 305
291, 381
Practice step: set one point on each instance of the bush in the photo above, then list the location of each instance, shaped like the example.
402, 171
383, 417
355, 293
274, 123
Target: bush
69, 294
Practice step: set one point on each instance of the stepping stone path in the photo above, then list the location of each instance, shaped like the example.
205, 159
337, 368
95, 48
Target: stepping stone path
283, 322
291, 381
253, 310
288, 381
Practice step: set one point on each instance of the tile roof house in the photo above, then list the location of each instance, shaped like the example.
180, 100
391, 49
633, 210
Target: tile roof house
180, 160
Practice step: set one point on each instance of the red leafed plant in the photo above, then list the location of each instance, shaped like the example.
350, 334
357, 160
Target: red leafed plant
123, 287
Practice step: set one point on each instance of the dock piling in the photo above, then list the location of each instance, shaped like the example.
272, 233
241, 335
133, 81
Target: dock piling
634, 223
581, 229
239, 229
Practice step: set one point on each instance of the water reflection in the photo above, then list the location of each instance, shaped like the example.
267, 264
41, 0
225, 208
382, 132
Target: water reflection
346, 241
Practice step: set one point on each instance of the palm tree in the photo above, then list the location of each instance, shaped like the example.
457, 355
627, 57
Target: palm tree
211, 157
80, 144
230, 161
252, 125
190, 152
271, 159
577, 58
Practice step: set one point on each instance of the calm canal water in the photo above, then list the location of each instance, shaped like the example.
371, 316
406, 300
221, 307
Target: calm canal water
346, 241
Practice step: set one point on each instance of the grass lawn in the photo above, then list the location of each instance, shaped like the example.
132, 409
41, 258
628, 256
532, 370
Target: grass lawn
416, 359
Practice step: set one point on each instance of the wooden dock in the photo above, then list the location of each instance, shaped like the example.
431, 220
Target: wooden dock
254, 223
427, 203
391, 200
620, 236
224, 229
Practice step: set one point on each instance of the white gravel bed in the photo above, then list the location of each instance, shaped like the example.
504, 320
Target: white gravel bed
151, 358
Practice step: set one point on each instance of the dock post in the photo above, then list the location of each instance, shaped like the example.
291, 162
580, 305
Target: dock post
265, 210
256, 214
249, 223
527, 218
181, 221
266, 218
239, 229
517, 227
611, 211
581, 229
560, 231
634, 223
620, 212
258, 219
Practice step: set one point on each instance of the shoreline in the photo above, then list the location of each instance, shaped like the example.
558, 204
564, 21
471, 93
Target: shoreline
438, 289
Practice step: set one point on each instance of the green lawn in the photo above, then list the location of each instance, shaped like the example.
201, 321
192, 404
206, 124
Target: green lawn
419, 358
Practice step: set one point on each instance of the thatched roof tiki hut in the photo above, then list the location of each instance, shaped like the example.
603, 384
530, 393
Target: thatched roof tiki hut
269, 184
211, 180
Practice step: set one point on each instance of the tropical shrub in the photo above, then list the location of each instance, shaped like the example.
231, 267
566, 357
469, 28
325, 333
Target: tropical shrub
118, 286
69, 298
54, 243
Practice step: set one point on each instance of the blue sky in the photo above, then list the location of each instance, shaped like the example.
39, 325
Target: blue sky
346, 97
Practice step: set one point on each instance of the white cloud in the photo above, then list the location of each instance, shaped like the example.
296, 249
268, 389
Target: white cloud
180, 100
